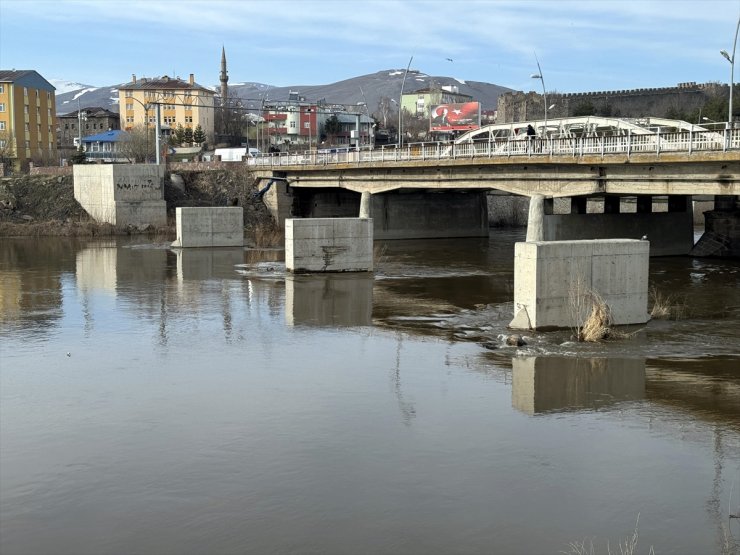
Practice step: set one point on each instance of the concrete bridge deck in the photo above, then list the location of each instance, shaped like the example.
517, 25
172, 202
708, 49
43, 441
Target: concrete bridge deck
701, 163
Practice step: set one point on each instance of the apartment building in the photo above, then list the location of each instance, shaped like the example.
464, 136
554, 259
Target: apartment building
181, 102
83, 123
420, 102
301, 122
27, 120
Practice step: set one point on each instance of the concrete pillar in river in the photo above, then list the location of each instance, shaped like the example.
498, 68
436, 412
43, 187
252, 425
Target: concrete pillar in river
536, 221
366, 201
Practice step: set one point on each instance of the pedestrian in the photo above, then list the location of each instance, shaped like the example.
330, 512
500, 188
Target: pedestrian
530, 131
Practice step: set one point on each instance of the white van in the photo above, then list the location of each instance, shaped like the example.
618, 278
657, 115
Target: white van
236, 154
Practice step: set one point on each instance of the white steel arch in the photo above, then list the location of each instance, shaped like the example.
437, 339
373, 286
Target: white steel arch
582, 126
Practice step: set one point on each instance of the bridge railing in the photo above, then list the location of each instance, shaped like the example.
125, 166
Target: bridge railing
605, 145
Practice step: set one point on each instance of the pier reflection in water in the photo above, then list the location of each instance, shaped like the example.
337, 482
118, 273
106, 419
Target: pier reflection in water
212, 404
329, 299
544, 384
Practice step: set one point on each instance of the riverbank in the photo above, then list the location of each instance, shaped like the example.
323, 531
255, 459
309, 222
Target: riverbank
44, 205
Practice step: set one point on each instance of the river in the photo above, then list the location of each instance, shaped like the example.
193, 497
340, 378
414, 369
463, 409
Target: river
204, 402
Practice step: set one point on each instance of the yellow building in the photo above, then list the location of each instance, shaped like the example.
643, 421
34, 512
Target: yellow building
181, 102
27, 120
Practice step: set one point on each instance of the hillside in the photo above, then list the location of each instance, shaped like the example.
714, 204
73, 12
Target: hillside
349, 91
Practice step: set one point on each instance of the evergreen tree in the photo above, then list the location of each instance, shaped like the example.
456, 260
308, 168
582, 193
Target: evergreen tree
188, 135
199, 136
332, 127
79, 157
179, 134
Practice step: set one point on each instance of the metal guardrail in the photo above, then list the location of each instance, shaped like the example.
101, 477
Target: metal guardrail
629, 144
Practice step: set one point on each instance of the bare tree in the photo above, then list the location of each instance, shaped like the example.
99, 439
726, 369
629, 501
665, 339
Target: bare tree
139, 145
7, 147
385, 111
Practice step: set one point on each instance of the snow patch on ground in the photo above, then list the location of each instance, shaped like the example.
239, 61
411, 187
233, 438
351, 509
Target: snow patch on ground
396, 73
461, 81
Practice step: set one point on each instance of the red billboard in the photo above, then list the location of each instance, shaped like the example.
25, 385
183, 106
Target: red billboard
455, 117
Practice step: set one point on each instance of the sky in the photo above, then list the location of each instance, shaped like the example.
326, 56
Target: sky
588, 45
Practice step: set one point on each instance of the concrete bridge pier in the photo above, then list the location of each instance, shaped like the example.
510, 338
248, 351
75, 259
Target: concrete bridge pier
366, 203
536, 219
721, 236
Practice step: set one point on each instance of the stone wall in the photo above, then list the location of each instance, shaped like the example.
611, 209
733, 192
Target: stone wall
50, 170
655, 102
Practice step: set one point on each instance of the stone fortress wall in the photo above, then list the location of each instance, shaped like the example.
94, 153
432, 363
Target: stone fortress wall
633, 103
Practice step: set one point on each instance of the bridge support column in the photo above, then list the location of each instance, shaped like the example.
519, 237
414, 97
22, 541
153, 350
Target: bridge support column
329, 245
536, 221
722, 230
366, 202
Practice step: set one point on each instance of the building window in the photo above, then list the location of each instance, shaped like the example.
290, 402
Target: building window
2, 143
188, 119
292, 125
66, 126
28, 143
2, 89
2, 106
48, 96
129, 119
2, 126
25, 109
130, 106
25, 91
128, 94
28, 128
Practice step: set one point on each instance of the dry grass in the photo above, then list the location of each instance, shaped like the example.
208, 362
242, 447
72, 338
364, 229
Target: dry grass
666, 307
591, 314
379, 256
597, 325
84, 228
626, 547
268, 235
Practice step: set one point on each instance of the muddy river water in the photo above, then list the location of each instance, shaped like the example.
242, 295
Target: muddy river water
203, 402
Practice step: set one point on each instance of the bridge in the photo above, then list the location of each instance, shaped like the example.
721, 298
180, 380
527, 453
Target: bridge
580, 158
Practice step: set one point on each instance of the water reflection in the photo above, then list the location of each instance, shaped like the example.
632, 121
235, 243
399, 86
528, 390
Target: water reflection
548, 384
329, 300
211, 406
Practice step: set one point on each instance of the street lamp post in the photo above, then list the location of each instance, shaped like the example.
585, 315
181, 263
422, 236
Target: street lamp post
80, 117
731, 59
400, 103
544, 91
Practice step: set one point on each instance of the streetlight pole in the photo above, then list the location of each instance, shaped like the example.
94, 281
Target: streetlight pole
544, 91
79, 124
400, 104
731, 59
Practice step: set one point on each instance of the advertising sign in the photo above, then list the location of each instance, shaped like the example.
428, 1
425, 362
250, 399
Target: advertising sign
455, 117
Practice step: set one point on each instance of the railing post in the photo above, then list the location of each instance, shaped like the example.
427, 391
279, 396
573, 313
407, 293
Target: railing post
691, 139
629, 142
657, 142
